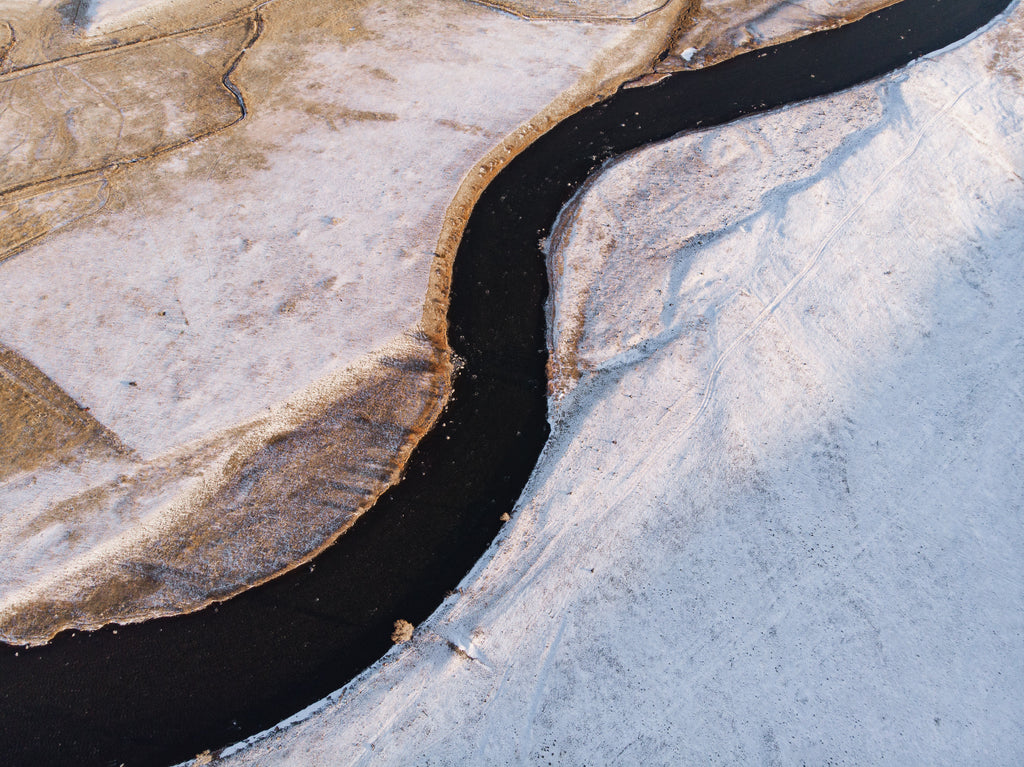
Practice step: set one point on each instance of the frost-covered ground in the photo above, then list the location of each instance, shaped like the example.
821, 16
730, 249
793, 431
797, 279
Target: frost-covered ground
218, 228
205, 290
779, 519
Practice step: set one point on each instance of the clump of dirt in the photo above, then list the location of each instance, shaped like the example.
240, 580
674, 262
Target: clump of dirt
402, 633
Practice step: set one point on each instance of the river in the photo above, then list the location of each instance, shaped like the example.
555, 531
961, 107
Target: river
160, 692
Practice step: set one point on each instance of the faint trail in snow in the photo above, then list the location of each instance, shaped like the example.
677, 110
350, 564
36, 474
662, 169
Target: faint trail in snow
255, 23
539, 687
511, 9
645, 465
816, 256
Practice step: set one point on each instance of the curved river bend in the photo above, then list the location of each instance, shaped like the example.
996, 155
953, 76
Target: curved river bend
160, 692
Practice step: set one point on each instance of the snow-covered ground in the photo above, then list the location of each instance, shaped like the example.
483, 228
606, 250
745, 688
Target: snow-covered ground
722, 28
301, 240
198, 290
192, 286
779, 518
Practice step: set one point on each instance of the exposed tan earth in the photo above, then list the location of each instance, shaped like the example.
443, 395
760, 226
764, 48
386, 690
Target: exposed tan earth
40, 423
233, 506
226, 232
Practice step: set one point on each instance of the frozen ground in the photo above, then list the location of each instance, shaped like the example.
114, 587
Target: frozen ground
218, 228
724, 27
222, 284
243, 267
779, 519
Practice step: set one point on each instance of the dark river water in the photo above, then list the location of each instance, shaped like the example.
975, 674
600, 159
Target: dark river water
160, 692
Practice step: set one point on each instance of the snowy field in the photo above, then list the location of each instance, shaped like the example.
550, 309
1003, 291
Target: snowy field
203, 303
200, 269
779, 518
